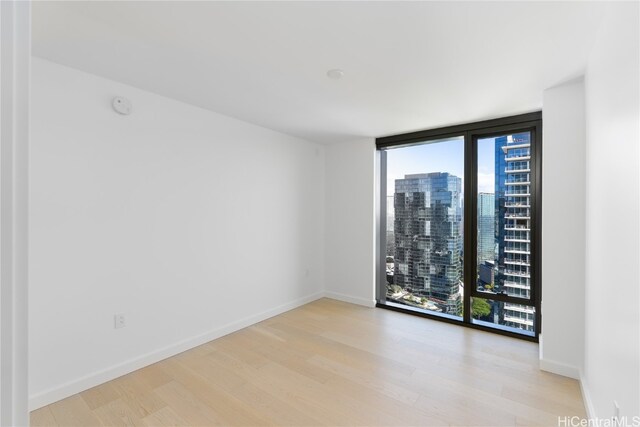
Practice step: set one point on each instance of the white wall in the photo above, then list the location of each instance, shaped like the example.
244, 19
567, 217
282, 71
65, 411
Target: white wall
563, 225
190, 223
612, 320
350, 187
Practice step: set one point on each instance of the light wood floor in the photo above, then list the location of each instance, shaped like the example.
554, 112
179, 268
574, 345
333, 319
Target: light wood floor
332, 363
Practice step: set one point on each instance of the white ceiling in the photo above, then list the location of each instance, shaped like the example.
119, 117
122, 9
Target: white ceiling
407, 65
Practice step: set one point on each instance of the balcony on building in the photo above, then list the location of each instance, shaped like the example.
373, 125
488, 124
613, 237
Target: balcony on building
519, 308
517, 170
516, 274
518, 320
517, 205
506, 148
514, 285
517, 216
514, 262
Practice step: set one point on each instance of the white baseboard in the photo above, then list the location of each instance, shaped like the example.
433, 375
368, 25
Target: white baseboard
350, 299
560, 368
575, 373
586, 397
84, 383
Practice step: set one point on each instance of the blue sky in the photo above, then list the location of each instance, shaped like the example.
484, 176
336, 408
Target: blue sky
445, 155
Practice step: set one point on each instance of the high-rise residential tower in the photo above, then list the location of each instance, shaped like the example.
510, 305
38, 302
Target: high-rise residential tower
391, 243
428, 241
513, 226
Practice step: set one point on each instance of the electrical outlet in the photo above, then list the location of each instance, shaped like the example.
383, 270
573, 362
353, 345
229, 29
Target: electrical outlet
119, 321
616, 411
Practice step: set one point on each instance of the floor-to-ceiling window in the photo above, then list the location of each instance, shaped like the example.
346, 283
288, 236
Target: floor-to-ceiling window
460, 224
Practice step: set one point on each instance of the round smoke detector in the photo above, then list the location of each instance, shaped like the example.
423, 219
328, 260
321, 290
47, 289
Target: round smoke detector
121, 105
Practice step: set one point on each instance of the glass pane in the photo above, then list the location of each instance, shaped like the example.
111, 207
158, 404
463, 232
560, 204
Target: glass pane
502, 315
424, 226
504, 217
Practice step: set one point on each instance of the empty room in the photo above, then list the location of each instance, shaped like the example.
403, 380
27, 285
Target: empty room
292, 213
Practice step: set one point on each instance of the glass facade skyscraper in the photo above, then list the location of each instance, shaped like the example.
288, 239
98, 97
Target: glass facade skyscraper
486, 227
428, 238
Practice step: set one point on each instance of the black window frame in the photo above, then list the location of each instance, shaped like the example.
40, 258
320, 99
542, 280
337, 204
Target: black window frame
472, 132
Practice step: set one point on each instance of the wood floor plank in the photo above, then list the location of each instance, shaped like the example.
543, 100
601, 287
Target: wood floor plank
140, 398
310, 397
165, 417
296, 360
217, 395
73, 411
99, 396
43, 417
153, 376
331, 363
400, 393
189, 406
225, 379
387, 411
117, 413
277, 412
